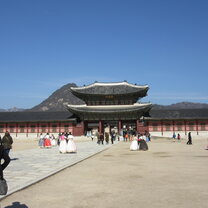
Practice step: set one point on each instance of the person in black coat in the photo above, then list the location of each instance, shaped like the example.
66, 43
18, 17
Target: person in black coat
189, 138
6, 158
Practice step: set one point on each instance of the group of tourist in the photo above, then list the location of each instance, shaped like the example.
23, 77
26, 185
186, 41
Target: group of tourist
178, 137
106, 137
129, 135
139, 142
47, 140
65, 142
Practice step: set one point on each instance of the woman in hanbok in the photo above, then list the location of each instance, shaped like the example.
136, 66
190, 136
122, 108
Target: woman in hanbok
47, 141
53, 140
71, 146
62, 145
134, 144
143, 143
41, 141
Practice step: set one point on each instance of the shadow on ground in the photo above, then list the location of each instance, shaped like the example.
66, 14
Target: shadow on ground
17, 205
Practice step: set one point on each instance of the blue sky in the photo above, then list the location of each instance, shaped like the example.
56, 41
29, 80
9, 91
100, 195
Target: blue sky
45, 44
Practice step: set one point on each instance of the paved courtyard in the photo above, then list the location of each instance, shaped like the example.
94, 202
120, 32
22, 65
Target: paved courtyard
170, 174
30, 166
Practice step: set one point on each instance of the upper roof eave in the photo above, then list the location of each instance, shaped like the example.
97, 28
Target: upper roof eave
114, 88
110, 84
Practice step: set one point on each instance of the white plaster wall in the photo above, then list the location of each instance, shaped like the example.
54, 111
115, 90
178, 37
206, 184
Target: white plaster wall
201, 134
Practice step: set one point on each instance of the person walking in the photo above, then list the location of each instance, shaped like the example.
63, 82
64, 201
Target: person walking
106, 137
41, 141
71, 146
134, 144
47, 141
179, 137
7, 142
189, 138
3, 155
101, 138
63, 144
113, 136
174, 136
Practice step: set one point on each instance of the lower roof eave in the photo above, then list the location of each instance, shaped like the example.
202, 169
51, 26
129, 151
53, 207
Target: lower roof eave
34, 121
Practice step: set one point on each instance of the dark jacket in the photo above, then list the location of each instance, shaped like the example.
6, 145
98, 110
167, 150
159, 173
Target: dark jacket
6, 158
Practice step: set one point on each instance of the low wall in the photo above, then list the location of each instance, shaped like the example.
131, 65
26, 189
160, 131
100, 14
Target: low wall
169, 134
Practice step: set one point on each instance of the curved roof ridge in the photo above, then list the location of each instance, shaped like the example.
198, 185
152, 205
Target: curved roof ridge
110, 84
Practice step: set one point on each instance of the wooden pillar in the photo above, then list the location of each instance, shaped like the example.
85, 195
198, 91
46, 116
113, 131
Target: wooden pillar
162, 127
137, 126
16, 126
197, 127
48, 127
173, 125
38, 129
60, 127
84, 127
119, 126
147, 125
185, 126
27, 129
101, 129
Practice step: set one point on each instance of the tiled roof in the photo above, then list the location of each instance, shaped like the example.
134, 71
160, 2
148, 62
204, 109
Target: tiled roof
179, 114
35, 116
111, 89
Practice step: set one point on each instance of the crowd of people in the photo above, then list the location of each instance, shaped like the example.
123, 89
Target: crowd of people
126, 135
65, 141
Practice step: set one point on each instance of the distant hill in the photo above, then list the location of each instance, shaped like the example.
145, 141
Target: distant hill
14, 109
179, 113
180, 110
58, 100
181, 105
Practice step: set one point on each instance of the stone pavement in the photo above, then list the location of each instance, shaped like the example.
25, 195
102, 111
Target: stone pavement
30, 166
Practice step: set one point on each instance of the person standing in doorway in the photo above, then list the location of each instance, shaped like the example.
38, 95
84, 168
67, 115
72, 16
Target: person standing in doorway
7, 142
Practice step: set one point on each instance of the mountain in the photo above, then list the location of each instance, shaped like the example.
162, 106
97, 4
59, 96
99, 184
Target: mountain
14, 109
58, 100
180, 110
181, 105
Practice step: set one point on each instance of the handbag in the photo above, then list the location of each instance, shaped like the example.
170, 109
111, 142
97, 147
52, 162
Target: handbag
3, 187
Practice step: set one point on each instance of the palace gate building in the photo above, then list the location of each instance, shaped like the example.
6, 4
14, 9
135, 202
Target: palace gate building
111, 105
